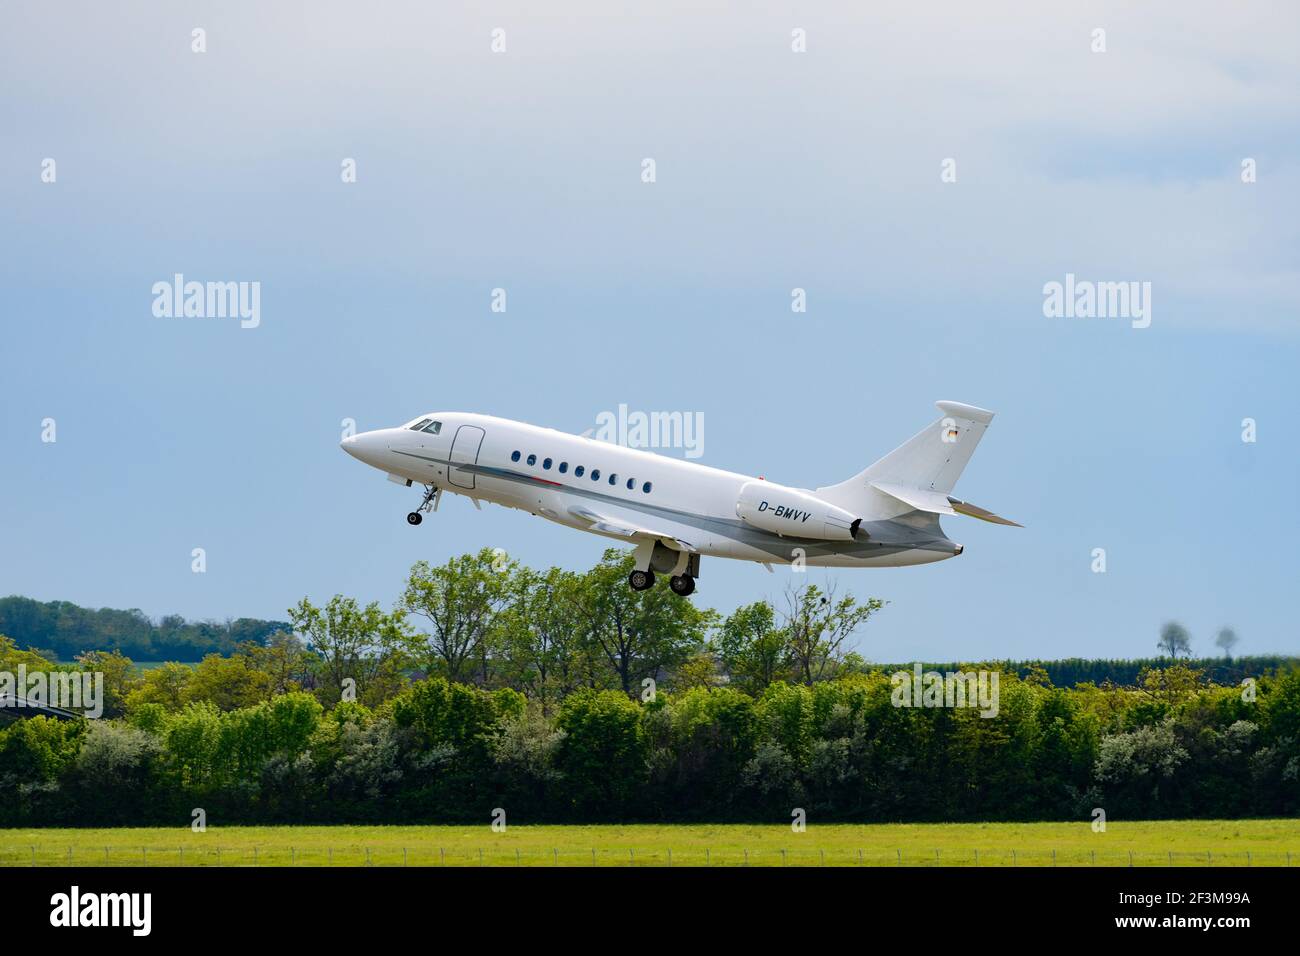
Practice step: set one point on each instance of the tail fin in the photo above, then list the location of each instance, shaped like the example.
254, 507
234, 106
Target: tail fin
920, 474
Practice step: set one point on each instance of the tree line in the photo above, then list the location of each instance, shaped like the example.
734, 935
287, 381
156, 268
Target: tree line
560, 696
487, 620
1127, 672
63, 630
443, 752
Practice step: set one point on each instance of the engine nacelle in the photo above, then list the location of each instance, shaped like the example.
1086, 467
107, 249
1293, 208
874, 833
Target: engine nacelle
796, 514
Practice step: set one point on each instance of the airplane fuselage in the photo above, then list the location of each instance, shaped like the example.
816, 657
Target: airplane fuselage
607, 489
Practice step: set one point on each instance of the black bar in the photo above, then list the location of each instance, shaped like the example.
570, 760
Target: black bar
236, 905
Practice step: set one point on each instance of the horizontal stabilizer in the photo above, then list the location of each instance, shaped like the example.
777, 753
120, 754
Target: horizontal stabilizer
936, 502
975, 511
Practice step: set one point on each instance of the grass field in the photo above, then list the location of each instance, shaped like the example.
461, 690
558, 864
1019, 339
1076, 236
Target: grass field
1164, 843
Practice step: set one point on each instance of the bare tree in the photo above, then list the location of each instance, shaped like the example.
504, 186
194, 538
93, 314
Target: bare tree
1227, 640
1174, 640
818, 624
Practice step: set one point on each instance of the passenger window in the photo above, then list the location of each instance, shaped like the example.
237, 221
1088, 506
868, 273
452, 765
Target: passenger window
432, 428
613, 479
564, 466
577, 472
514, 456
595, 474
646, 487
631, 483
532, 460
546, 465
420, 424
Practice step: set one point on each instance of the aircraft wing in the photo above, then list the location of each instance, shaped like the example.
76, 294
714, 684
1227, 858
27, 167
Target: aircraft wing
626, 529
939, 503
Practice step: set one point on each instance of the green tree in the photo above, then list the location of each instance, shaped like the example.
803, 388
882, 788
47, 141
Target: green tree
116, 771
360, 649
252, 735
193, 742
284, 659
755, 652
602, 755
229, 682
460, 600
120, 678
525, 754
701, 741
38, 749
166, 685
455, 728
638, 633
541, 634
11, 657
699, 671
462, 716
1137, 770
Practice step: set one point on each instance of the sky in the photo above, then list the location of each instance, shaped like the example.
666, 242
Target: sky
774, 170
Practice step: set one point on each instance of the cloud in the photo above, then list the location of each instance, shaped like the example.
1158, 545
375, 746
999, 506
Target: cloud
821, 167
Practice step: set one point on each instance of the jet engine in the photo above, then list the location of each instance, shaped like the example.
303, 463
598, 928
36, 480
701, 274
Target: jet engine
796, 514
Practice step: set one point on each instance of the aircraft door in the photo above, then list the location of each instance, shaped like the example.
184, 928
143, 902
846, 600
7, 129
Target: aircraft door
464, 451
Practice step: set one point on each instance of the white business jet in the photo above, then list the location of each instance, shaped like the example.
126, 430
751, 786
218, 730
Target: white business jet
674, 511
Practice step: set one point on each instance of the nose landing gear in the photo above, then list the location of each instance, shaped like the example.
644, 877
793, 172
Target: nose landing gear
432, 495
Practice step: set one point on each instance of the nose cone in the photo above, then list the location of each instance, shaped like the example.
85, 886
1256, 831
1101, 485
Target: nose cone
367, 447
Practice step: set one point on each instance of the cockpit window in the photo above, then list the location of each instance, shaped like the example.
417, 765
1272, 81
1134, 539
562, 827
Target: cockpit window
432, 428
420, 424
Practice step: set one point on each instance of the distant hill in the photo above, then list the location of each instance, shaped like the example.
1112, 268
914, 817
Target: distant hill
65, 630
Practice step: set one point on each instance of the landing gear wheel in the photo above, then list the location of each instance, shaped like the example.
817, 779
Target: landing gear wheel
682, 584
641, 580
414, 518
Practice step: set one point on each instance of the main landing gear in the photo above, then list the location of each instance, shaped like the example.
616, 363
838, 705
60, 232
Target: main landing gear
651, 556
641, 580
681, 584
429, 504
